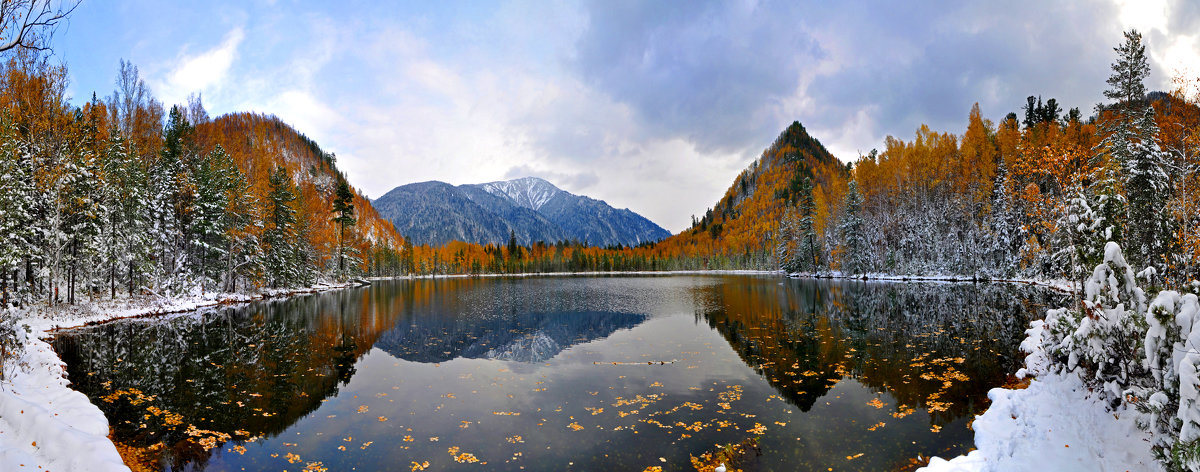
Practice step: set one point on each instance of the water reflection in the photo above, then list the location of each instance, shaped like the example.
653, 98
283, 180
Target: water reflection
551, 373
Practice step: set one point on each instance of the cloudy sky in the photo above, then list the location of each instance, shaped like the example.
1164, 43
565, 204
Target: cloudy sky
653, 106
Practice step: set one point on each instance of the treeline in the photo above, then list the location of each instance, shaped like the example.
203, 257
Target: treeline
564, 256
1036, 197
123, 197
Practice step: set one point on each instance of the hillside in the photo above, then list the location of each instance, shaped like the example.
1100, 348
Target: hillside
257, 143
532, 209
739, 229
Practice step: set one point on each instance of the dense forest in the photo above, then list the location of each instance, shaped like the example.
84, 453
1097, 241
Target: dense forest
122, 196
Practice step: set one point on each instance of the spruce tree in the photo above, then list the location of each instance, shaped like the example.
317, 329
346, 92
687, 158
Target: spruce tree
808, 252
854, 241
343, 210
1131, 139
281, 259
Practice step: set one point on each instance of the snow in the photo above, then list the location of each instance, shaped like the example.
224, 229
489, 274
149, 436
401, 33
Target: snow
528, 192
1054, 424
44, 424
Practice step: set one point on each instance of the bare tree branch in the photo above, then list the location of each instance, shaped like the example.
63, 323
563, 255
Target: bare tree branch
28, 24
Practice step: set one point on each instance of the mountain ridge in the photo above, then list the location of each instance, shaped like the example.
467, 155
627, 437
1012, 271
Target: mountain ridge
529, 208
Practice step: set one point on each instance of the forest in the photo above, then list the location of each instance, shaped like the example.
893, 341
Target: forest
124, 197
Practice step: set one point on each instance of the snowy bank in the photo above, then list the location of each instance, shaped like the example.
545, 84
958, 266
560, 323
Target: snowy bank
1054, 424
44, 424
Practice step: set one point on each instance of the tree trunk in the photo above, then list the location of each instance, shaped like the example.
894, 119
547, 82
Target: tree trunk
71, 272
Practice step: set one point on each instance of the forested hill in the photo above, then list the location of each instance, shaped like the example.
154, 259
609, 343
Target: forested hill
739, 230
258, 142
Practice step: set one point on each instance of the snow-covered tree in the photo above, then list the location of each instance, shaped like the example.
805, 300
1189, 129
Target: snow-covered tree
214, 177
854, 242
1004, 229
1101, 342
807, 247
1131, 139
17, 197
1172, 397
281, 259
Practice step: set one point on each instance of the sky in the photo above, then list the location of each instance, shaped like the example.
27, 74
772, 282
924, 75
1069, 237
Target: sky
654, 106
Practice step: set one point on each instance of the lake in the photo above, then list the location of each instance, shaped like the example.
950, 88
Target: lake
561, 373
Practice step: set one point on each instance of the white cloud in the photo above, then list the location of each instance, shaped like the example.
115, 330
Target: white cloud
201, 72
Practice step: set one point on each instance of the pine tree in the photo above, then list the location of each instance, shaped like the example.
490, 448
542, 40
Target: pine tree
280, 261
16, 208
214, 177
244, 259
1131, 139
808, 252
1005, 228
126, 227
343, 210
854, 242
785, 244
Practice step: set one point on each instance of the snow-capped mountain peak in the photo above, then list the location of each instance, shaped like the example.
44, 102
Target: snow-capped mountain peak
528, 192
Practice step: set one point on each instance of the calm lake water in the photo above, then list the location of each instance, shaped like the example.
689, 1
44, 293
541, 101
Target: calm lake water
561, 373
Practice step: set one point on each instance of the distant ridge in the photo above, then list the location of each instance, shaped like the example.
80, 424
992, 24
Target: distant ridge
530, 208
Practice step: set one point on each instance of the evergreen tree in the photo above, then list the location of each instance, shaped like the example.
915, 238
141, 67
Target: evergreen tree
243, 260
281, 261
785, 244
808, 252
1131, 138
214, 177
126, 228
854, 241
1005, 228
16, 208
343, 210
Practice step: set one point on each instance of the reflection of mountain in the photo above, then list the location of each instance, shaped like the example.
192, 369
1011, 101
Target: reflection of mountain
899, 338
526, 337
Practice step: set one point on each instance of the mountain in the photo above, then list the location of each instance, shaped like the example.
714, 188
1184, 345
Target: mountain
533, 209
738, 231
528, 337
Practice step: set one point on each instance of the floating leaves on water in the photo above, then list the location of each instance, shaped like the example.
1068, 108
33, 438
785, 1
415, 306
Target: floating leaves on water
856, 456
574, 426
464, 457
419, 466
292, 458
876, 426
362, 409
315, 467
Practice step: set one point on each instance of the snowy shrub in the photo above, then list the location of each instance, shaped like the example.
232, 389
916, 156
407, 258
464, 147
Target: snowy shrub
1101, 341
1171, 402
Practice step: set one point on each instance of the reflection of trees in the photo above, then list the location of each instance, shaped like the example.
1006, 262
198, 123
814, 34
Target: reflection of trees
877, 333
260, 368
257, 368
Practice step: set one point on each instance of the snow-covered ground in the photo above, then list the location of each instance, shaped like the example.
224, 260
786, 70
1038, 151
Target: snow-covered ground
44, 424
1054, 424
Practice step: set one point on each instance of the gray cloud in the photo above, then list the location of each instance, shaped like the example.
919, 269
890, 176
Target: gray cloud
705, 71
